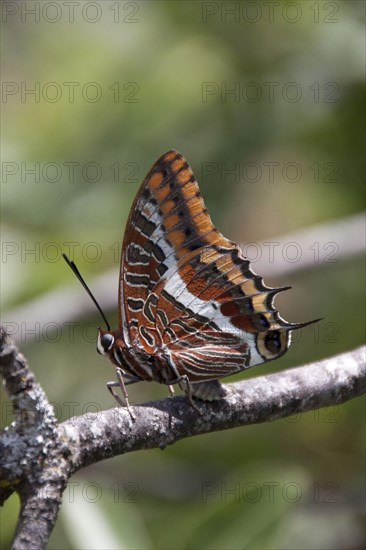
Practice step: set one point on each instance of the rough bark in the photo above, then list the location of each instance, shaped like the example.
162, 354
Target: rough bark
38, 455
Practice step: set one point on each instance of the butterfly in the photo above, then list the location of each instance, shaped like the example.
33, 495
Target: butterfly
190, 309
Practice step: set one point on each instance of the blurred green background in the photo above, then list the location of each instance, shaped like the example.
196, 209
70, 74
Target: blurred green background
266, 102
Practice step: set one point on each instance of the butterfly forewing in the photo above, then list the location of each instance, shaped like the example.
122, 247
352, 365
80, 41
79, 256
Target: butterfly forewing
185, 290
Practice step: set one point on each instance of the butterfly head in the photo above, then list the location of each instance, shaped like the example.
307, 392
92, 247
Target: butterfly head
105, 341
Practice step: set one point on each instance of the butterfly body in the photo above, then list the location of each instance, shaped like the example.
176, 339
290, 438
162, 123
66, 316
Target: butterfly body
191, 310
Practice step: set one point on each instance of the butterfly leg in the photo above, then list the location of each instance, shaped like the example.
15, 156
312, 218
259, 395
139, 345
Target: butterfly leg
185, 385
205, 391
120, 383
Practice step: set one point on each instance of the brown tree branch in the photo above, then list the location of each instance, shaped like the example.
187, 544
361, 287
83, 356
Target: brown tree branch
30, 462
38, 456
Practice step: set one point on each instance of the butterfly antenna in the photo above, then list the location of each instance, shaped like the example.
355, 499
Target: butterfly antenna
78, 275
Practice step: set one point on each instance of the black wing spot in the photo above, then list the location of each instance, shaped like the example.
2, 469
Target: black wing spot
183, 167
161, 269
273, 341
260, 322
263, 321
249, 305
